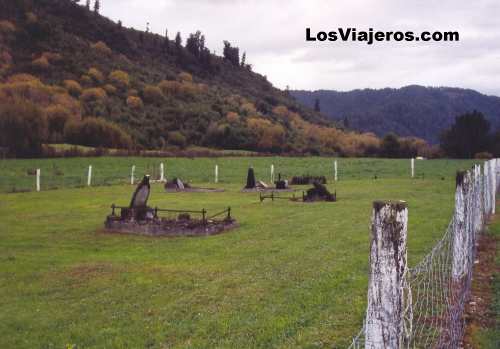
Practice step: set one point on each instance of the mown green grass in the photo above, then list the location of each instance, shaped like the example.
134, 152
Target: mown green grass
72, 172
293, 275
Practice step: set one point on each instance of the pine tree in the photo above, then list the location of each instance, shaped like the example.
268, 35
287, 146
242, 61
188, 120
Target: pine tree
97, 6
166, 42
178, 41
243, 59
316, 105
87, 4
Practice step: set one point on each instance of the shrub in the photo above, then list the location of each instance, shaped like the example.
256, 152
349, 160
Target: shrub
41, 63
248, 108
185, 77
177, 138
22, 78
73, 87
101, 48
31, 18
232, 117
96, 75
7, 27
153, 94
93, 94
23, 128
57, 116
170, 87
86, 80
133, 92
52, 56
96, 132
483, 155
120, 79
110, 89
135, 102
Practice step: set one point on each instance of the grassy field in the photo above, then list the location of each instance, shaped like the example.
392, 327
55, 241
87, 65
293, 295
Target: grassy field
18, 175
292, 275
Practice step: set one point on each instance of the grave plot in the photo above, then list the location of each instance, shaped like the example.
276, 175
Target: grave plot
317, 193
138, 218
177, 185
307, 179
281, 185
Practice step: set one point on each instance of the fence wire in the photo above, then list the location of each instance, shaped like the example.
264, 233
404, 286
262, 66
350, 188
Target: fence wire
436, 289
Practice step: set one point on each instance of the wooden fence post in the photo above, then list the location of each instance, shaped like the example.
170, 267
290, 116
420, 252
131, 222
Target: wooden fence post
412, 167
335, 170
132, 175
89, 176
461, 226
388, 268
37, 179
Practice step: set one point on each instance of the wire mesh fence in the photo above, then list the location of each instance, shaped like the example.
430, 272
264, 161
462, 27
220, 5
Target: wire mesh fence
436, 290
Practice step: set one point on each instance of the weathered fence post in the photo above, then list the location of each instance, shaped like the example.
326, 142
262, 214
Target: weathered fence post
335, 170
272, 173
412, 168
132, 175
162, 172
384, 315
216, 173
89, 176
494, 184
37, 179
461, 226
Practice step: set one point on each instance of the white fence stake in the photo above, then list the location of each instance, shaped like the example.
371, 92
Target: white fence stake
335, 170
132, 175
37, 179
89, 176
412, 168
162, 173
272, 173
388, 268
216, 173
460, 227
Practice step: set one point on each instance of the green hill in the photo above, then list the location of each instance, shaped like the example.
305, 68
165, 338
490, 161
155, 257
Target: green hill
87, 80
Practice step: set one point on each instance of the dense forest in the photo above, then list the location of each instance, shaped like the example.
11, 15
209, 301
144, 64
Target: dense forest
70, 75
423, 112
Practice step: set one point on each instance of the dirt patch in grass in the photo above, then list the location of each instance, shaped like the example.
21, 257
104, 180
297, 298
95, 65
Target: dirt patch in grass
82, 274
479, 312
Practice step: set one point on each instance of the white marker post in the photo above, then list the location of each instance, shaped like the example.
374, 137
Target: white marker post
335, 170
162, 173
412, 168
37, 179
89, 176
132, 175
272, 173
216, 173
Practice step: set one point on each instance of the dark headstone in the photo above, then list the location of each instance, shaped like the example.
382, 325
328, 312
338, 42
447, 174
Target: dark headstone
319, 192
250, 179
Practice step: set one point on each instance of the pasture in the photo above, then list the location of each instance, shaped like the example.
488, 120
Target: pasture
293, 275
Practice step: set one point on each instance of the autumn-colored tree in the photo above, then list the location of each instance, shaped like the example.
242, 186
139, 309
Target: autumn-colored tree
135, 102
93, 94
96, 75
120, 79
102, 48
153, 94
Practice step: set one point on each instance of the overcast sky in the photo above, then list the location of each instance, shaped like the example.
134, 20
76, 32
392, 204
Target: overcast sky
272, 32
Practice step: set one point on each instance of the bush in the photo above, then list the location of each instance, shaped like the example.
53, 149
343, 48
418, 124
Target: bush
57, 116
22, 78
23, 128
483, 155
185, 77
110, 89
96, 75
135, 102
153, 94
177, 138
93, 94
120, 79
101, 48
73, 87
96, 132
41, 63
7, 27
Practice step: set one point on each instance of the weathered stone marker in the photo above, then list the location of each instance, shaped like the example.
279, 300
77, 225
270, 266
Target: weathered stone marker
162, 172
272, 173
335, 170
250, 179
412, 162
132, 175
384, 316
216, 173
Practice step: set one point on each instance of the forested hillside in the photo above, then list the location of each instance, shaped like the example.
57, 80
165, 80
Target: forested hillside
70, 75
417, 111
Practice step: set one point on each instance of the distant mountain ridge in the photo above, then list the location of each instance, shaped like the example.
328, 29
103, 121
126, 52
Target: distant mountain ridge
408, 111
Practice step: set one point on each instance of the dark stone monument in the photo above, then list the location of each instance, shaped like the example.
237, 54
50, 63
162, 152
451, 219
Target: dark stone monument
250, 179
281, 183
